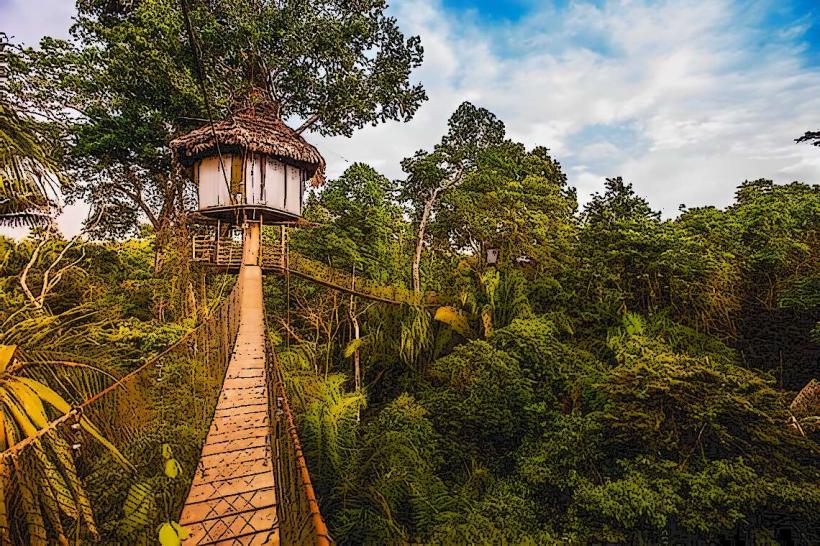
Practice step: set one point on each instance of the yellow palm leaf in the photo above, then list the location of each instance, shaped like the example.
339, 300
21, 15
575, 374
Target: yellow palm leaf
29, 401
55, 485
35, 525
8, 422
3, 444
20, 417
47, 495
51, 397
4, 516
6, 356
46, 394
454, 318
62, 454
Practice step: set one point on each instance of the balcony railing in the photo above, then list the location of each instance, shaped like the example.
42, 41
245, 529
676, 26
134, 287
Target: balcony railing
221, 251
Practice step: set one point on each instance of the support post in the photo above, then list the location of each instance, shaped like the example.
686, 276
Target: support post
252, 238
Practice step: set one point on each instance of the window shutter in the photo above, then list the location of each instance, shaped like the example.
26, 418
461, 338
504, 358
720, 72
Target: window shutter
236, 174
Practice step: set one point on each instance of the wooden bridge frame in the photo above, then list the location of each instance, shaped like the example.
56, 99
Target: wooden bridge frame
225, 254
252, 485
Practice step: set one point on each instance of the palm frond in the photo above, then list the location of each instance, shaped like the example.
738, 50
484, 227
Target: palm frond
29, 177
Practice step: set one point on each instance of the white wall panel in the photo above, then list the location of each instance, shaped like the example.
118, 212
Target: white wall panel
253, 180
282, 189
294, 192
275, 184
212, 188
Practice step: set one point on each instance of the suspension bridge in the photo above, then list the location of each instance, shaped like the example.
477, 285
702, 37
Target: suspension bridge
208, 418
226, 254
214, 403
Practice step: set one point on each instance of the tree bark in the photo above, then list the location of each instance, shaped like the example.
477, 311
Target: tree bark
135, 195
191, 300
49, 284
357, 368
203, 295
425, 219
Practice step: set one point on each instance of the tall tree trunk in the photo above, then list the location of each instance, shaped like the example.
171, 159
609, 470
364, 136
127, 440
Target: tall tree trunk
203, 294
357, 366
425, 219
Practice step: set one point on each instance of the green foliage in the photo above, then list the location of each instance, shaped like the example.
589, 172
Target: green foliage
602, 390
128, 82
361, 226
478, 399
516, 201
470, 131
29, 176
328, 421
616, 377
431, 175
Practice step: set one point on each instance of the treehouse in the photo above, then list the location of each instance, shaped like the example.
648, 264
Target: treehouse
249, 169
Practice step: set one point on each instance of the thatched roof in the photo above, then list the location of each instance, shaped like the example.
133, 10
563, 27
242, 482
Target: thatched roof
256, 128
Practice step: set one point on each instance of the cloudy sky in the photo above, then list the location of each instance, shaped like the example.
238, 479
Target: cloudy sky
683, 98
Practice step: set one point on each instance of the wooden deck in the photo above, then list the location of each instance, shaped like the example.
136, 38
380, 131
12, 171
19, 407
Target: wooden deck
232, 500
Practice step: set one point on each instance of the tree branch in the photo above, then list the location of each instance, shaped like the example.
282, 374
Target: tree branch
49, 284
24, 275
309, 122
140, 202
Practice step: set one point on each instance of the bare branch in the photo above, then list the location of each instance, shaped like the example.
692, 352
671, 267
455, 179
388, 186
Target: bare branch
24, 275
140, 202
309, 122
48, 282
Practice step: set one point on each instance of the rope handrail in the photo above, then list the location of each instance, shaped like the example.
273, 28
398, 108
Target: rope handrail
119, 382
225, 252
294, 490
331, 277
165, 405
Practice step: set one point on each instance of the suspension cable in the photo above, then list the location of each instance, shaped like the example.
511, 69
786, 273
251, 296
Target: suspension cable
287, 280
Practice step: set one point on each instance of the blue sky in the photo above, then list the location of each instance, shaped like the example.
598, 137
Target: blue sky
684, 98
489, 11
773, 15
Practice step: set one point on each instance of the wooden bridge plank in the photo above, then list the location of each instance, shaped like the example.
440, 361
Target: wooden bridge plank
233, 445
257, 539
241, 434
232, 504
232, 499
210, 489
214, 461
237, 527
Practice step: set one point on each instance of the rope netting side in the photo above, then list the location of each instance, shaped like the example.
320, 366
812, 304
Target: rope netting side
63, 484
300, 520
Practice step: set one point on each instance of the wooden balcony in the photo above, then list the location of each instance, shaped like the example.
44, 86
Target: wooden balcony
220, 252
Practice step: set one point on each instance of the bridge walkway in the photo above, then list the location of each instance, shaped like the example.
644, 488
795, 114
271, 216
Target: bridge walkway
232, 500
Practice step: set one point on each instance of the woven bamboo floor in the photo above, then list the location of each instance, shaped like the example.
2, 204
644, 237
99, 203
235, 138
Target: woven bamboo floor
232, 500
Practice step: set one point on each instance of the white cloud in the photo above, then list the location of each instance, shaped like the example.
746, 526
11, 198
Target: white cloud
710, 96
27, 21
